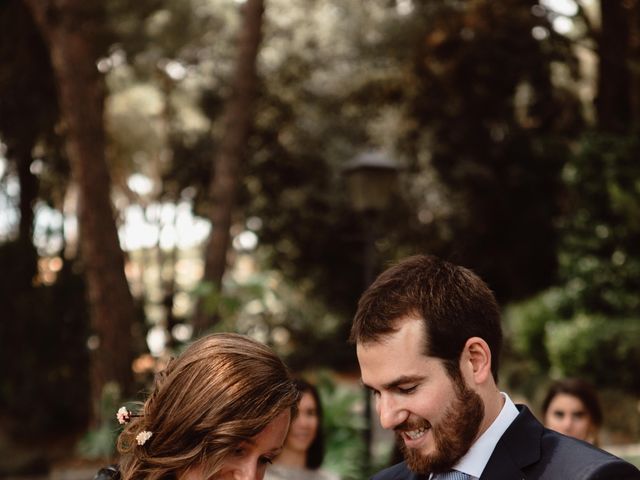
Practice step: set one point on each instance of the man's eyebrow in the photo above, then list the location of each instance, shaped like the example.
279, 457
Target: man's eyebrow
398, 381
402, 380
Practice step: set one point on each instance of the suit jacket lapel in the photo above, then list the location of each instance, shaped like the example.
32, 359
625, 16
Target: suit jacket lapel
518, 448
406, 474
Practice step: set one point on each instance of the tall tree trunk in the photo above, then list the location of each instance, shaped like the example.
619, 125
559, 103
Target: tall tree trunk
70, 28
28, 109
613, 100
20, 154
634, 58
224, 184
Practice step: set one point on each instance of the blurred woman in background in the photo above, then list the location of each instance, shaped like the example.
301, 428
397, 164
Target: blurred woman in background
572, 408
303, 450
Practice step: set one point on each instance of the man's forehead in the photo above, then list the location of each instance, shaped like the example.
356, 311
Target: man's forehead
403, 328
382, 362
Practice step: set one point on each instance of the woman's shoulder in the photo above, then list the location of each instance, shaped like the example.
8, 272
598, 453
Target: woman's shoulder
281, 472
326, 475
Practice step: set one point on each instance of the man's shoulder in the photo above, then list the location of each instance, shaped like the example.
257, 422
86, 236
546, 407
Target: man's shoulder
582, 459
545, 454
396, 472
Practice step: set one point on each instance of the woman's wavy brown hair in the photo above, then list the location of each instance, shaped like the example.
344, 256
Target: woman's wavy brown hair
222, 390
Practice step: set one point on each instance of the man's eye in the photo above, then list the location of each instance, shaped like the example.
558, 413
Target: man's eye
407, 390
266, 460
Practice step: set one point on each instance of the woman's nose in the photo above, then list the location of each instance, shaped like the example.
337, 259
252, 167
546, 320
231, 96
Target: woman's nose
246, 471
567, 423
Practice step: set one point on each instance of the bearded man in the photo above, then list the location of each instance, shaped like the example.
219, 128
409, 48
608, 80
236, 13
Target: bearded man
428, 339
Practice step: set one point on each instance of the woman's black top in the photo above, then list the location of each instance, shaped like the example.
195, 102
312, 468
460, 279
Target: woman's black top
112, 472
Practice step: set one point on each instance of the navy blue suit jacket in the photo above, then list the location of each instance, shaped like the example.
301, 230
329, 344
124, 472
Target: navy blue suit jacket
527, 450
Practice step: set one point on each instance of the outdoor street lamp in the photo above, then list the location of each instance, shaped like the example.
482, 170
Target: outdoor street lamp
371, 180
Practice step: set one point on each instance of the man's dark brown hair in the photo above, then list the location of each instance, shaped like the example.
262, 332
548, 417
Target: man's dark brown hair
452, 301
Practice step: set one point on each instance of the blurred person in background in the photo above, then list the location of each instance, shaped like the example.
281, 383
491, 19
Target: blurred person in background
304, 447
219, 410
571, 407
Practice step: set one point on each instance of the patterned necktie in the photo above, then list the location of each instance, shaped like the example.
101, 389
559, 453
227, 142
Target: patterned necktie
453, 475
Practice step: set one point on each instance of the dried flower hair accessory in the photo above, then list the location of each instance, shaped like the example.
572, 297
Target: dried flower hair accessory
143, 436
124, 415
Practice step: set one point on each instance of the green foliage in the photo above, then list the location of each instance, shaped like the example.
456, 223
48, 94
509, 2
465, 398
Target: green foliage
100, 442
216, 302
600, 252
548, 337
460, 91
494, 141
526, 323
267, 306
343, 427
605, 350
590, 325
424, 87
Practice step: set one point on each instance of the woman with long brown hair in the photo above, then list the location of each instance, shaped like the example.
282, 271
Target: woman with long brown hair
220, 410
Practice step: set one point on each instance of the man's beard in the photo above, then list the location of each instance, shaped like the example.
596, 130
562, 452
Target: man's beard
453, 435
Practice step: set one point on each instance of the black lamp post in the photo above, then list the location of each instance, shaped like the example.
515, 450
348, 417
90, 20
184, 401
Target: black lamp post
371, 179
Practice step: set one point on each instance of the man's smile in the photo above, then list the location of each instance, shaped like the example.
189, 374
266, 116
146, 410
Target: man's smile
415, 434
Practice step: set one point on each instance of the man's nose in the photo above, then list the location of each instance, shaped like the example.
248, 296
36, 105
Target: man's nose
390, 412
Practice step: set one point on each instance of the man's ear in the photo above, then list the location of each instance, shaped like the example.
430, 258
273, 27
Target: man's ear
475, 360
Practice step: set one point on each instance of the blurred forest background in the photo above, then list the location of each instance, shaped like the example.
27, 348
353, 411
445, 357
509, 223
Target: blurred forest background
172, 167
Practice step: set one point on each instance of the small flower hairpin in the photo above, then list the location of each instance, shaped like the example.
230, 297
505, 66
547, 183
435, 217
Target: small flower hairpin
143, 436
124, 415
